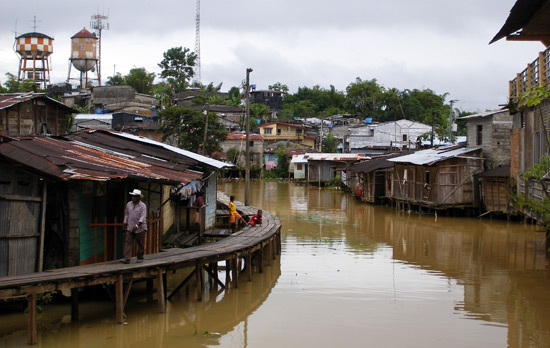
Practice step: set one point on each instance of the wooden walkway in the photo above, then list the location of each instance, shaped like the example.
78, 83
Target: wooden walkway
257, 244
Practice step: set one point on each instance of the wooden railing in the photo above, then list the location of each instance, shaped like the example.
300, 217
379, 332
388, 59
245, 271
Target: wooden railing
537, 73
110, 231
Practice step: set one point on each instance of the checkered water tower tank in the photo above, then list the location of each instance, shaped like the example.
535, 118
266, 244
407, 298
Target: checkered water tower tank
83, 50
34, 45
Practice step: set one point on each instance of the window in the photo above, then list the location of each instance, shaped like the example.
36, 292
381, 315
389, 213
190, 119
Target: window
267, 130
250, 143
278, 132
479, 137
404, 137
298, 132
427, 178
299, 166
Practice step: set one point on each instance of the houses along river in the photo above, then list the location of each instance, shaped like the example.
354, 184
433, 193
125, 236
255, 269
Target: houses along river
350, 275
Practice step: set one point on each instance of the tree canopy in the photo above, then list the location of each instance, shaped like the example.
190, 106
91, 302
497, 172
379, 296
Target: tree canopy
177, 67
184, 127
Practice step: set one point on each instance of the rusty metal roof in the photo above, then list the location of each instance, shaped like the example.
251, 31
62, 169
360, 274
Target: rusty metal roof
236, 136
378, 163
100, 156
11, 99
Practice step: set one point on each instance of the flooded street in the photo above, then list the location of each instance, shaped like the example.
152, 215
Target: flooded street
350, 275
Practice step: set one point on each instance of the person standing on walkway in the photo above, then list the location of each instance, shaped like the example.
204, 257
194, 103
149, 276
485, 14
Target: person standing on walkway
134, 226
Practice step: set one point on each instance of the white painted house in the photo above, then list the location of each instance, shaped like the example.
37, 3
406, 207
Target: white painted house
379, 138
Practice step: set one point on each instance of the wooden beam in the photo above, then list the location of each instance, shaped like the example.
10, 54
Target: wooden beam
42, 226
21, 198
213, 276
119, 298
74, 304
177, 289
235, 272
161, 296
31, 327
198, 281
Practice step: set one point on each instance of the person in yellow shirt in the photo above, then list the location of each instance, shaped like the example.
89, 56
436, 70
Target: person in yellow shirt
233, 215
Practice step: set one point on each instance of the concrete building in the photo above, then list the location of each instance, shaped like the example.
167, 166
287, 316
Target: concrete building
491, 131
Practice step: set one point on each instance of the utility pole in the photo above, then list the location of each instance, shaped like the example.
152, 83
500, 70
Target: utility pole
451, 120
247, 172
205, 129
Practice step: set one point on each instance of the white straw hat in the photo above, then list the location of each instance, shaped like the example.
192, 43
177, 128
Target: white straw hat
136, 192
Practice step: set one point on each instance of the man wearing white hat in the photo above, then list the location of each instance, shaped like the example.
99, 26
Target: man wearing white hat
134, 226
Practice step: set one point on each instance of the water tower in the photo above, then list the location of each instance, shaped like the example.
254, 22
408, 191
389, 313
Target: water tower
34, 50
83, 56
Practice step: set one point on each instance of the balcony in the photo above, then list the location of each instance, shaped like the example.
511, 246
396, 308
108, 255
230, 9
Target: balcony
537, 73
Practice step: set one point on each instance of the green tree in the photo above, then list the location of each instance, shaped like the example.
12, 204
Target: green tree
330, 144
115, 80
216, 100
365, 98
13, 85
282, 163
277, 86
235, 98
185, 128
177, 67
163, 92
232, 155
259, 110
141, 80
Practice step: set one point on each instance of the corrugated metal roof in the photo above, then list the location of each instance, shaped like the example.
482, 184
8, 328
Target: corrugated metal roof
428, 157
202, 159
483, 114
335, 156
377, 163
9, 100
298, 159
235, 136
100, 156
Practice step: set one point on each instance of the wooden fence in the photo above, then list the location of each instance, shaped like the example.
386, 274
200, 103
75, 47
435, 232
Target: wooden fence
110, 230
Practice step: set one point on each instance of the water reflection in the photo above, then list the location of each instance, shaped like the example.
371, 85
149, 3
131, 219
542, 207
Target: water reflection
496, 272
351, 275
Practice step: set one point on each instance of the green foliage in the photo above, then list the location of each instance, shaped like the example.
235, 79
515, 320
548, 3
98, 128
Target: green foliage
232, 155
235, 98
163, 92
185, 127
282, 163
13, 85
330, 144
336, 181
216, 100
277, 86
259, 110
141, 80
269, 174
177, 67
115, 80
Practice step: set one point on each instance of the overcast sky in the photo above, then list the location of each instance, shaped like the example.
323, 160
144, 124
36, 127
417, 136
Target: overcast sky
436, 44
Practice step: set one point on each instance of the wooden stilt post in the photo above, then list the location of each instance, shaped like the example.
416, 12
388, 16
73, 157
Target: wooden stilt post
268, 254
249, 266
119, 298
161, 296
235, 272
261, 260
198, 278
227, 274
74, 304
32, 329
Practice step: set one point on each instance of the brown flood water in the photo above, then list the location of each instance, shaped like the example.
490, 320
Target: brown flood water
350, 275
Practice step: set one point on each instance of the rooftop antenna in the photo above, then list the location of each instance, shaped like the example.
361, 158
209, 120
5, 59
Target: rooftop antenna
98, 23
198, 43
34, 26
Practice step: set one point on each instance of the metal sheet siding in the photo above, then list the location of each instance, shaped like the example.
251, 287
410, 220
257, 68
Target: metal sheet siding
22, 256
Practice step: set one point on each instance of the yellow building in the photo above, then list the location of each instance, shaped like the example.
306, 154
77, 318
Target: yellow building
281, 131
